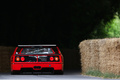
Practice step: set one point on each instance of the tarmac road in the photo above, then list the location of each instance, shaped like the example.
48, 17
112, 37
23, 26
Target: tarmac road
68, 75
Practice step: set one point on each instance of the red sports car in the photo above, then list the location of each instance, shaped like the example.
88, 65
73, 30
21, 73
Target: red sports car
37, 58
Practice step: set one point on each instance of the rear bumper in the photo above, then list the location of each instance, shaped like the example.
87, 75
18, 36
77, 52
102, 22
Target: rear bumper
19, 66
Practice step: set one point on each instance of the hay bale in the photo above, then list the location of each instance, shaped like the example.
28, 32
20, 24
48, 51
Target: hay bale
101, 54
0, 63
86, 54
5, 54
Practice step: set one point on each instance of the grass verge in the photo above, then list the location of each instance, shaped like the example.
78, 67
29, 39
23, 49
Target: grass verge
97, 73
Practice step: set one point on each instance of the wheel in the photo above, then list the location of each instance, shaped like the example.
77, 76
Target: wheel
59, 72
15, 72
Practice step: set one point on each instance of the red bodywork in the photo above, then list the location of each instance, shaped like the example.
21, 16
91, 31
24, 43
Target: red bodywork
17, 66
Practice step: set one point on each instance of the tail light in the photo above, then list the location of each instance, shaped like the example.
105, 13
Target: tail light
56, 58
22, 59
51, 58
17, 58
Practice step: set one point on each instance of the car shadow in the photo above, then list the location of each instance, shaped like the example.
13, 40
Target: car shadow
66, 72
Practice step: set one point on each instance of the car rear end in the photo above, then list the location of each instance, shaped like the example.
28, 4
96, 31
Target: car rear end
37, 58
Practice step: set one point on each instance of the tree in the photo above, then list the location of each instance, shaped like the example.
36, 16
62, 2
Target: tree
109, 29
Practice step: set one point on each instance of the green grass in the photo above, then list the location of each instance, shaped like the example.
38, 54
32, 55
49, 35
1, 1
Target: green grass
97, 73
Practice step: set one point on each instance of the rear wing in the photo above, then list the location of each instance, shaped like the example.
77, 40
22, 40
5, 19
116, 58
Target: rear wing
46, 45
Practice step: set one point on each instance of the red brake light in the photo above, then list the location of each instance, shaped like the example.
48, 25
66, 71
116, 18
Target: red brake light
51, 58
17, 58
22, 59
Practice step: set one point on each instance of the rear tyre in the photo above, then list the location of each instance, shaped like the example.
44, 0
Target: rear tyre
15, 72
58, 72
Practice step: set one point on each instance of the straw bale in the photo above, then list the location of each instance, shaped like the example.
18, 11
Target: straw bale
86, 54
5, 54
101, 54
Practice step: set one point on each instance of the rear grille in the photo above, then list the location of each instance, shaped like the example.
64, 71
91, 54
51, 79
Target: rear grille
28, 59
42, 58
46, 58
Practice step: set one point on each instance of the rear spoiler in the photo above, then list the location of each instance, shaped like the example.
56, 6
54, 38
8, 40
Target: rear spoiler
46, 45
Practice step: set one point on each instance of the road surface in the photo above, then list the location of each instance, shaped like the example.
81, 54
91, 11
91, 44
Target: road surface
68, 75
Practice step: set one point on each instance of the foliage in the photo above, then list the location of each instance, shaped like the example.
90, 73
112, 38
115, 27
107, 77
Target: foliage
94, 73
111, 75
109, 29
97, 73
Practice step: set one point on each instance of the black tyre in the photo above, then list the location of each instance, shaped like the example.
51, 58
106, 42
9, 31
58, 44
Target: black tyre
15, 72
58, 72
